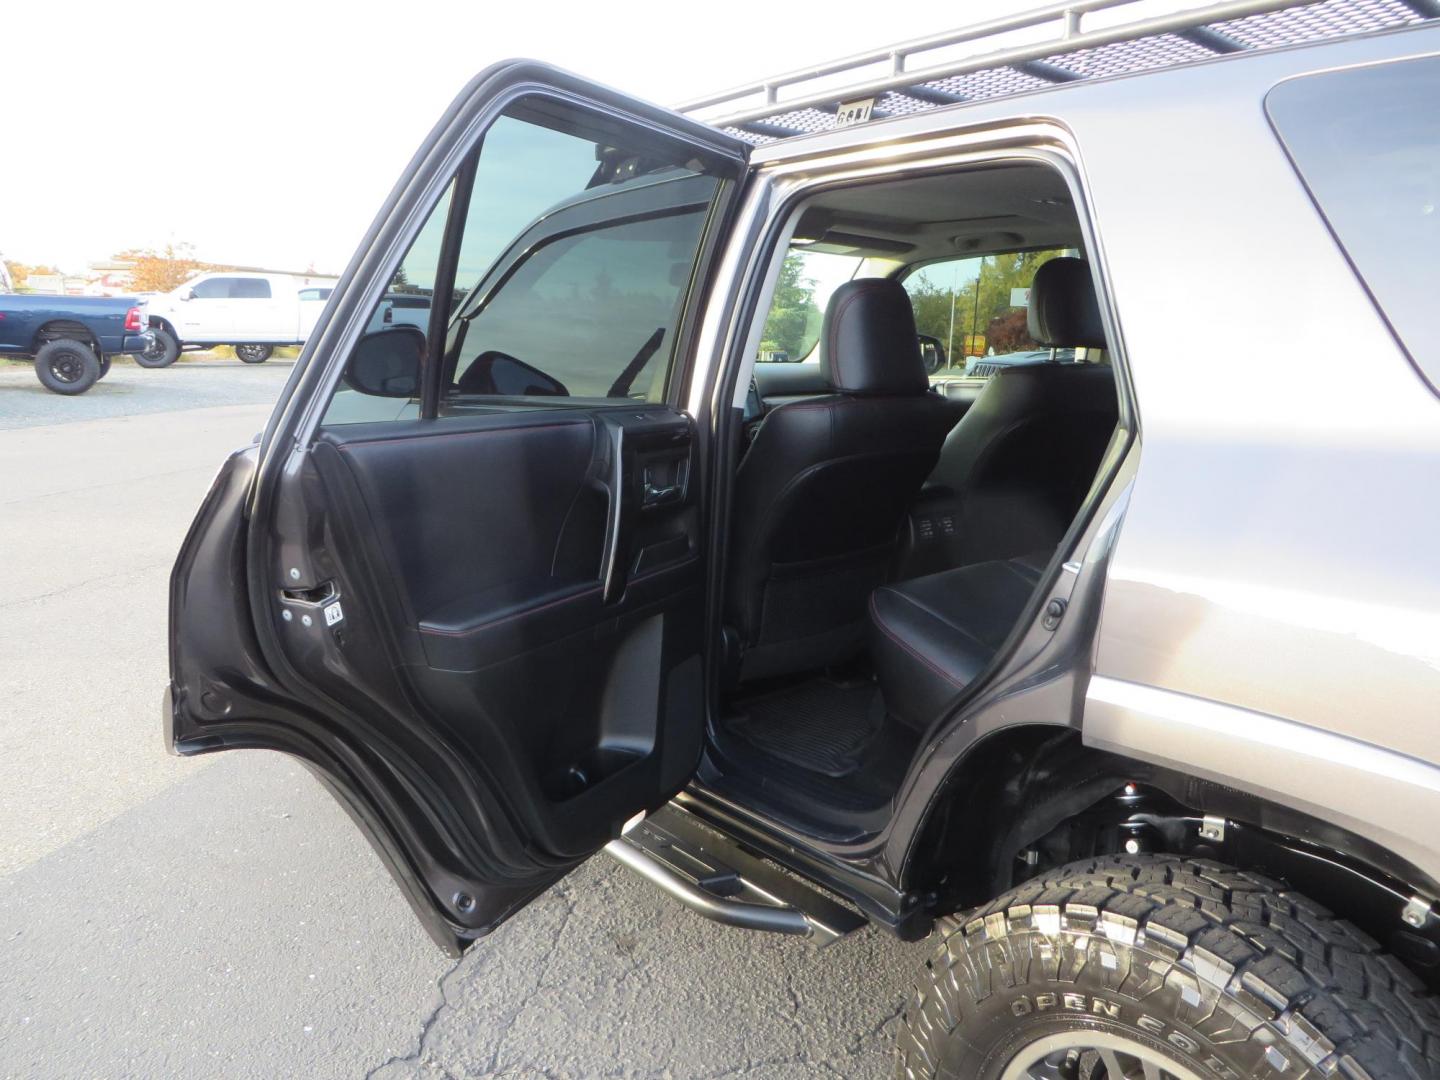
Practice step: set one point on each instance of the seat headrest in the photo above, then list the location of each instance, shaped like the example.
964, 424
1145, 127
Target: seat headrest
1063, 309
868, 341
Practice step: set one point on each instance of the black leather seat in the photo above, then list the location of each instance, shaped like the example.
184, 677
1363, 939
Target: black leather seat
1014, 471
822, 490
930, 637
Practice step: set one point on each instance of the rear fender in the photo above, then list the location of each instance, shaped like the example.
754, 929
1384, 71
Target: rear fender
64, 330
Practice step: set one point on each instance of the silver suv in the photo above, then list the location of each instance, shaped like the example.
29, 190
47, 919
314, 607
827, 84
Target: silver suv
1119, 673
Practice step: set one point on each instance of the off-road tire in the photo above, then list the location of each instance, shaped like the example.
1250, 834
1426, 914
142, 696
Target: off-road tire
254, 354
1227, 973
165, 352
67, 367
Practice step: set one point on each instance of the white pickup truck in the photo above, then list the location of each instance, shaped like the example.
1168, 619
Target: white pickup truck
253, 312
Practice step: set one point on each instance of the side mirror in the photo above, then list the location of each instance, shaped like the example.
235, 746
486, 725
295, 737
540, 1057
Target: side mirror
386, 363
933, 353
187, 294
501, 374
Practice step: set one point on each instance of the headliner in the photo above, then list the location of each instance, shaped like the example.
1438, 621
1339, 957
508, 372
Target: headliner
972, 212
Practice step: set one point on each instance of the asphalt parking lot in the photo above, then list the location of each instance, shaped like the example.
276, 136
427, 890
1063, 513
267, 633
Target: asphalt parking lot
221, 916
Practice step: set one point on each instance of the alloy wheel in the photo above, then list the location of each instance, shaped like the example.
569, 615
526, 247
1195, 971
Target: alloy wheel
1094, 1055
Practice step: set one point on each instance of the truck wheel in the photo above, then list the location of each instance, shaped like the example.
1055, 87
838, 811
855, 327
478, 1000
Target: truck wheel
67, 367
104, 366
1164, 968
162, 351
254, 354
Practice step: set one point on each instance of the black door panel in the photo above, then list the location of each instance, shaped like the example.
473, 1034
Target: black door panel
492, 535
539, 618
497, 532
470, 518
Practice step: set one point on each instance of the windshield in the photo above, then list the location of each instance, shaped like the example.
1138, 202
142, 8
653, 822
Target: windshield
976, 309
807, 278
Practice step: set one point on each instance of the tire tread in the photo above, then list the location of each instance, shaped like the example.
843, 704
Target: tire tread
1319, 979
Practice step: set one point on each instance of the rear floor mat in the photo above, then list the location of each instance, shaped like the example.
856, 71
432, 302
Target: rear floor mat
820, 725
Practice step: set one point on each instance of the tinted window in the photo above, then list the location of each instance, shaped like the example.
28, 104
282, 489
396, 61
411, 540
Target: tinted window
246, 288
576, 249
315, 294
215, 288
594, 310
1366, 141
576, 256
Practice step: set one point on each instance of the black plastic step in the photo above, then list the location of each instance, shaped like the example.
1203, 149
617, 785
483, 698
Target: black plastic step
714, 877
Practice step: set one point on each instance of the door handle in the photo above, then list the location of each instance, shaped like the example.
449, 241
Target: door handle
612, 574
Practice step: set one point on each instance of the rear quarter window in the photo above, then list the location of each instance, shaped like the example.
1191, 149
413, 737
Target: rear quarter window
1366, 143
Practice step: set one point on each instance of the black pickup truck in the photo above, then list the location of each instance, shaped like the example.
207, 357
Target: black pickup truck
70, 338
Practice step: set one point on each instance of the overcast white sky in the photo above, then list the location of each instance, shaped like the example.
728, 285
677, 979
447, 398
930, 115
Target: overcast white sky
267, 133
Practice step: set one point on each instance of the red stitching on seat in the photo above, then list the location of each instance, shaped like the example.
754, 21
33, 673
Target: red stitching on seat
880, 622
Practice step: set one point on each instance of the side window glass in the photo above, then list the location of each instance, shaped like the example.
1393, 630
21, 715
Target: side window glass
973, 314
217, 288
807, 278
616, 290
250, 289
1366, 142
578, 238
381, 380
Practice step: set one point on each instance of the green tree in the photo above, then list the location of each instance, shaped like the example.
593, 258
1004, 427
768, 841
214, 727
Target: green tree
792, 311
999, 276
980, 302
931, 302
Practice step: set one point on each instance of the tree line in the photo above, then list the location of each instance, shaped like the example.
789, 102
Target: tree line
969, 316
151, 269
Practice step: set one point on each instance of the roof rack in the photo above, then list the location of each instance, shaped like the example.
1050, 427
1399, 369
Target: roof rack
918, 75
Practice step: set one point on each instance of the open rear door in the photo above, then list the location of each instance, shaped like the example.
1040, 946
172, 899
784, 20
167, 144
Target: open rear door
462, 576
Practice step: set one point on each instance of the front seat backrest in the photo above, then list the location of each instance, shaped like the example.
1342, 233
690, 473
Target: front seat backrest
1014, 471
825, 484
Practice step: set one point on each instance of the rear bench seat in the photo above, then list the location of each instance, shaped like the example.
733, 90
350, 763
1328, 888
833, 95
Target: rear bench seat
930, 636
